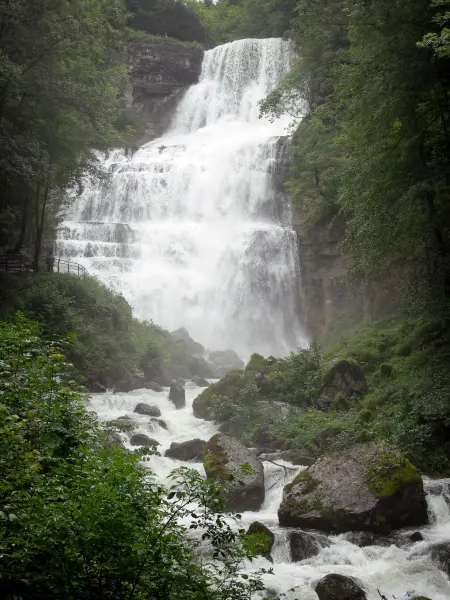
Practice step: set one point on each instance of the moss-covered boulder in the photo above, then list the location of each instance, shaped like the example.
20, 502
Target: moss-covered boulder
224, 456
370, 487
343, 378
229, 387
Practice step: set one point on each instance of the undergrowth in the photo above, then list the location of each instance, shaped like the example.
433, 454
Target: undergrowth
405, 362
109, 343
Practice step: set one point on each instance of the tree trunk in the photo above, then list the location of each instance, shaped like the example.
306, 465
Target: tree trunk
40, 222
23, 226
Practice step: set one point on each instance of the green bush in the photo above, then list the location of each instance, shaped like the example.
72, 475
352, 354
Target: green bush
98, 521
110, 344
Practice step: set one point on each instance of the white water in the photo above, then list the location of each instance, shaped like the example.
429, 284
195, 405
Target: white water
190, 228
400, 572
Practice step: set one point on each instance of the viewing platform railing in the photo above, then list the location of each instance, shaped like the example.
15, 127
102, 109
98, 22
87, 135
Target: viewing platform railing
16, 263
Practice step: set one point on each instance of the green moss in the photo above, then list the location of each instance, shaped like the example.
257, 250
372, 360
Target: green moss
306, 480
388, 473
256, 363
215, 460
297, 507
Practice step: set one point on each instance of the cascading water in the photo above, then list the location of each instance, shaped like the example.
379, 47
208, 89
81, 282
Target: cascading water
190, 228
399, 571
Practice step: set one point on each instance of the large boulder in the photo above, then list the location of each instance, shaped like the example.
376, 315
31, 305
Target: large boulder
223, 361
342, 379
264, 539
187, 451
339, 587
224, 456
140, 439
177, 395
145, 409
370, 487
305, 545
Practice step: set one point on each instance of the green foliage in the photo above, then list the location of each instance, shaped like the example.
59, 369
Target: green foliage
256, 363
171, 18
373, 148
407, 408
388, 473
228, 20
109, 344
61, 77
98, 520
257, 543
303, 429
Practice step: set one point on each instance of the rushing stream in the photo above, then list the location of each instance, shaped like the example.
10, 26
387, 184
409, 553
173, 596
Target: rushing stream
401, 572
191, 228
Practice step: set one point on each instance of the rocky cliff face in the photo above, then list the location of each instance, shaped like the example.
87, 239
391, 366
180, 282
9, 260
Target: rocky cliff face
330, 302
159, 74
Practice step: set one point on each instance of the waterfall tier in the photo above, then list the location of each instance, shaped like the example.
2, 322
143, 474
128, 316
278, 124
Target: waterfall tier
191, 228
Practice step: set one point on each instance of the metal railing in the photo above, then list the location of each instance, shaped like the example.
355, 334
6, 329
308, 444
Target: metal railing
16, 263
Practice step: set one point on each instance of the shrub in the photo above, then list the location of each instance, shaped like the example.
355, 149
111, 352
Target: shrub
109, 343
101, 524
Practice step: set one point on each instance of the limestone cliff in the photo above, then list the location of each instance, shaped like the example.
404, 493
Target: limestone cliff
330, 302
159, 73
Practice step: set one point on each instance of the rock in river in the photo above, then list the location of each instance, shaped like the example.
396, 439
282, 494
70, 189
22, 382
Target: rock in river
305, 545
140, 439
224, 456
177, 395
370, 487
339, 587
191, 450
146, 409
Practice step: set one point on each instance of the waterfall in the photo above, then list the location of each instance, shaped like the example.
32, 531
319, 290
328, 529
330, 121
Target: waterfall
191, 229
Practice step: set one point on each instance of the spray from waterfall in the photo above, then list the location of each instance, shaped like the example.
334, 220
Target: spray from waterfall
191, 229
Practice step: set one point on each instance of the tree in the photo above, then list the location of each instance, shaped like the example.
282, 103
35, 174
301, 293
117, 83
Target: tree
60, 78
